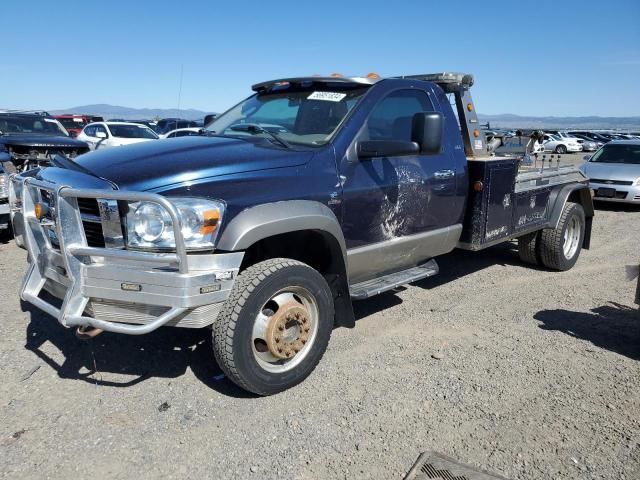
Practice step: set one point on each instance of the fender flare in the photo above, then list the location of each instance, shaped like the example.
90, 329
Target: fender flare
263, 221
580, 193
561, 197
269, 219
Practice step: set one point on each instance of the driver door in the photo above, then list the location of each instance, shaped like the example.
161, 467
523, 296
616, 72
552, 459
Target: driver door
396, 209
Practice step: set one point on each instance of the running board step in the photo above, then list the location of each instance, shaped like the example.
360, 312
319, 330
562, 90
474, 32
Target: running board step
375, 286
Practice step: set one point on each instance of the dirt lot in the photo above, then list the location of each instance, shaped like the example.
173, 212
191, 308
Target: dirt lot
536, 376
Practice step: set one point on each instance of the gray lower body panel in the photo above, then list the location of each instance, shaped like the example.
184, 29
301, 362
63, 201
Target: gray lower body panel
378, 259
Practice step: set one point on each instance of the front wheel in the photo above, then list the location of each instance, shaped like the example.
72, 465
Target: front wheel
275, 326
561, 149
559, 248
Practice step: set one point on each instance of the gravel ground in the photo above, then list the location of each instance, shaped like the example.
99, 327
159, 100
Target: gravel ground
524, 372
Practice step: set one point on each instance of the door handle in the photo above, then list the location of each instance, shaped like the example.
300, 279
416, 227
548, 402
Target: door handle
440, 174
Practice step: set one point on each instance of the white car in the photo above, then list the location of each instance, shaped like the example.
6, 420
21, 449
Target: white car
559, 144
183, 132
115, 134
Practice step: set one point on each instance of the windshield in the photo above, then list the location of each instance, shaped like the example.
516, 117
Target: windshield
132, 131
618, 153
307, 117
31, 124
72, 122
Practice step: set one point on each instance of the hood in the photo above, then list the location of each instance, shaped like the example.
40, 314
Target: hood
30, 140
152, 165
73, 178
611, 171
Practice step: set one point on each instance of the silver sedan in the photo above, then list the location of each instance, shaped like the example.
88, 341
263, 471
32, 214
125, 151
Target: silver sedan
614, 171
588, 145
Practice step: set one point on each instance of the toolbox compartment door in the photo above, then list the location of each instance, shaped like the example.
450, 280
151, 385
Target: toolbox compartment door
500, 184
531, 209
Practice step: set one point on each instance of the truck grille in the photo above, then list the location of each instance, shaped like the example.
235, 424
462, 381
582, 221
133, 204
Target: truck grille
90, 214
611, 182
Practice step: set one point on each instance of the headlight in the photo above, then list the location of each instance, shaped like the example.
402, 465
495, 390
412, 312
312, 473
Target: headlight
149, 225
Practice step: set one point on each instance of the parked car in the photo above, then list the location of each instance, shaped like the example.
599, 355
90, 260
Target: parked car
32, 139
555, 143
593, 136
614, 172
115, 134
75, 123
183, 132
149, 123
29, 140
208, 119
587, 145
614, 136
167, 124
271, 226
597, 143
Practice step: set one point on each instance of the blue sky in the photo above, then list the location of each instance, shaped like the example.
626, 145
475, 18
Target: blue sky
530, 58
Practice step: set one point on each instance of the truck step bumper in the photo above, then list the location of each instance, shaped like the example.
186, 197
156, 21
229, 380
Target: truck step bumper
369, 288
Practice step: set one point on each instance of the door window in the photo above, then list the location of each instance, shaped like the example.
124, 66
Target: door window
100, 128
90, 131
392, 118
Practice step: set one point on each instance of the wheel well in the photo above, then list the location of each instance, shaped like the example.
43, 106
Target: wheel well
582, 197
318, 249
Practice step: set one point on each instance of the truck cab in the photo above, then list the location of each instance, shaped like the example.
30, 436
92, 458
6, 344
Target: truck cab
310, 194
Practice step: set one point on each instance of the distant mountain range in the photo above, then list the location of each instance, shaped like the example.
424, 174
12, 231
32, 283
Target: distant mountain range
506, 120
128, 113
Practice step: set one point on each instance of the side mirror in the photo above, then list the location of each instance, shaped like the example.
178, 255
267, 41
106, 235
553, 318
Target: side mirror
386, 148
586, 158
101, 135
427, 131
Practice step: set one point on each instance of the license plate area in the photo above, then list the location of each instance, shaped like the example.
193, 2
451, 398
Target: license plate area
606, 192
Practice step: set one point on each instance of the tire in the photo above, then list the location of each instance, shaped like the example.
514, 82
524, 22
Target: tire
561, 149
271, 294
528, 248
552, 243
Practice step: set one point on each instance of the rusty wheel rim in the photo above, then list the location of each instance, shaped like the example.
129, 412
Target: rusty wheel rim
285, 329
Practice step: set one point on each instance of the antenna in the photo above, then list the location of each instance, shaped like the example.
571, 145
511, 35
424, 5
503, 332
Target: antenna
180, 88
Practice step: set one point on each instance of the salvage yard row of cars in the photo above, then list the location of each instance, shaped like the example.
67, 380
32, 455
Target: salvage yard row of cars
274, 218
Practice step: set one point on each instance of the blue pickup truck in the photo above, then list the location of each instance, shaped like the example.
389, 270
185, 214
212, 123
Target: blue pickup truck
311, 193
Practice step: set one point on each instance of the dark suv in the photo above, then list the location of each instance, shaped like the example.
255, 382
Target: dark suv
28, 140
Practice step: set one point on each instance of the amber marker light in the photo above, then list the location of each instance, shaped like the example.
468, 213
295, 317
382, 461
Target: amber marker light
470, 107
211, 220
477, 186
38, 210
476, 133
373, 75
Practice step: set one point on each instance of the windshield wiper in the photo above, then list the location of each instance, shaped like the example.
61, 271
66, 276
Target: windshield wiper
255, 129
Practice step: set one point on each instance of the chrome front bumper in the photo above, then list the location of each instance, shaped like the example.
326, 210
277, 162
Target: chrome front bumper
114, 289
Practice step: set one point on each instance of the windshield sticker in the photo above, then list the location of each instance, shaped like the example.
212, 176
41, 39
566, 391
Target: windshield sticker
327, 96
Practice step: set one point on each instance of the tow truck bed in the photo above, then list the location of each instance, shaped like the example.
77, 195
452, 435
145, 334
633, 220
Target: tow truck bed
507, 201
